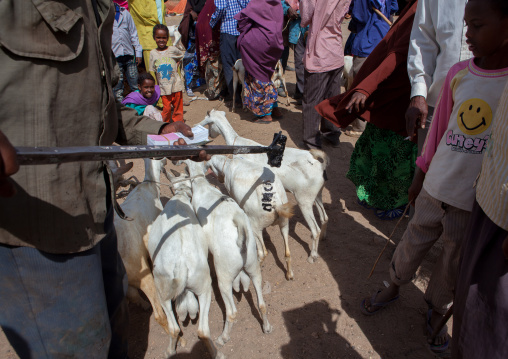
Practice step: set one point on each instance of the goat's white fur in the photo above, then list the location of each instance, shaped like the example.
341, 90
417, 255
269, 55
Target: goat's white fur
143, 205
260, 193
231, 243
179, 251
302, 173
347, 72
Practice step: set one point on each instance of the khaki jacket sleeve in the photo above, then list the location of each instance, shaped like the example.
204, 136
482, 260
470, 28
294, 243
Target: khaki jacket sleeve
132, 128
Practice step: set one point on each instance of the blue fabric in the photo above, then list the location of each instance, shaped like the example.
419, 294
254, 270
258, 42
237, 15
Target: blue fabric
190, 62
139, 108
371, 28
295, 31
125, 40
225, 10
65, 305
129, 69
117, 12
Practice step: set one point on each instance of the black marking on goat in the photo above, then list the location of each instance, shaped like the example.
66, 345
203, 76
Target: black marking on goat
266, 200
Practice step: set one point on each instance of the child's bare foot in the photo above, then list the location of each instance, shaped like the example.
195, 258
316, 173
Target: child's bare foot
380, 299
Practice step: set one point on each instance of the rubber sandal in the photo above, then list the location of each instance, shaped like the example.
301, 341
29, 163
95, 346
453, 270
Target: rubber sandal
373, 303
363, 203
444, 331
261, 121
390, 214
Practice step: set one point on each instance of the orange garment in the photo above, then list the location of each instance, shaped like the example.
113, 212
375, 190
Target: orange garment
178, 9
175, 100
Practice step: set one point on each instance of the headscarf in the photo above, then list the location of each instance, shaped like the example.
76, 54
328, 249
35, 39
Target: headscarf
197, 5
260, 41
138, 99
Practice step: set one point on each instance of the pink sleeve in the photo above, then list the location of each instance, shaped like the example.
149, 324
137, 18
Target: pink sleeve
440, 120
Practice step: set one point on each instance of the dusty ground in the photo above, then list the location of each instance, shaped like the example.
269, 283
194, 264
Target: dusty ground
318, 314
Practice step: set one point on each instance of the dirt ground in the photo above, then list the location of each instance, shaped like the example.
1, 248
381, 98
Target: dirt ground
318, 314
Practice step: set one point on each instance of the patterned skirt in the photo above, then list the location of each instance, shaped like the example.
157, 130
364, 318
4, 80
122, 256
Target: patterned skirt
214, 79
382, 167
259, 97
190, 63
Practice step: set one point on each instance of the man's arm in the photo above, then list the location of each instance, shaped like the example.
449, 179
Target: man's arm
307, 11
220, 11
423, 50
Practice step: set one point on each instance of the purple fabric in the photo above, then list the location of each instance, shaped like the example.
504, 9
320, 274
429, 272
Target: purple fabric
138, 99
260, 40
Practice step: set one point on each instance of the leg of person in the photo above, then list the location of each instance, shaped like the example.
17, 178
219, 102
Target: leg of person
177, 102
115, 288
53, 305
358, 126
152, 112
166, 108
229, 54
118, 89
259, 97
329, 131
422, 232
480, 307
299, 68
284, 58
132, 73
313, 94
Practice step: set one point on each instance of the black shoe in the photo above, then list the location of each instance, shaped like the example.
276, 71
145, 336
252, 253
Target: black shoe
333, 140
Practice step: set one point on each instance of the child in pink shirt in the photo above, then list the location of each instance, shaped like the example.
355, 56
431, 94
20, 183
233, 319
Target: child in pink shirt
443, 187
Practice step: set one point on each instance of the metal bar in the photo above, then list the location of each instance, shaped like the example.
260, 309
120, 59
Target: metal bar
53, 155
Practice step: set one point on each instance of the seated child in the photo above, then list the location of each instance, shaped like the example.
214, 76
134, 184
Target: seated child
165, 63
144, 99
449, 165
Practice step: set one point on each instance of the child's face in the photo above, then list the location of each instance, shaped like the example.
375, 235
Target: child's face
161, 39
147, 88
487, 29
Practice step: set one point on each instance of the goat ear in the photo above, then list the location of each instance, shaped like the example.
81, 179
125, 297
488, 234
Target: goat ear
175, 173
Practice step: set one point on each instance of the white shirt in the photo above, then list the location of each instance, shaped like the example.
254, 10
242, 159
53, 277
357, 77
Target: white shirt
437, 42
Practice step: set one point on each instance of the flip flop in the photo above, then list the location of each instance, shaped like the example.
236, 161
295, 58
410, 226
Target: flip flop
373, 303
444, 331
261, 121
390, 214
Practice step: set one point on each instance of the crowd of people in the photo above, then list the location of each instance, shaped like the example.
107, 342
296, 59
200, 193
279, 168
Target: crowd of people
429, 103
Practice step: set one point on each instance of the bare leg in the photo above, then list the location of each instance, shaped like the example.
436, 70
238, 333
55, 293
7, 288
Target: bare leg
284, 230
226, 290
314, 229
384, 296
254, 272
203, 328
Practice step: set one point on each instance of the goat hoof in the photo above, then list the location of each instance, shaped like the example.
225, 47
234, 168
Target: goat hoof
311, 259
267, 329
221, 341
289, 276
220, 356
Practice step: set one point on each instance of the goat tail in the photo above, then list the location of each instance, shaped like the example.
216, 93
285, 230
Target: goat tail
321, 157
286, 210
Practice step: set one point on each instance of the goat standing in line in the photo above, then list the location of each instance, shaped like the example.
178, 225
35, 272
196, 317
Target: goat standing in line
231, 243
302, 173
142, 205
179, 252
259, 192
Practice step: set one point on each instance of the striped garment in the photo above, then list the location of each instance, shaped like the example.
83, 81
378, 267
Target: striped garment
225, 10
492, 188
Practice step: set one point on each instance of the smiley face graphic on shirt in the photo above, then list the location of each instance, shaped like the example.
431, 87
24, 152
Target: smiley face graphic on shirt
474, 116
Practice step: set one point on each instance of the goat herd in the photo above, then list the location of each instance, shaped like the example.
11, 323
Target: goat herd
165, 250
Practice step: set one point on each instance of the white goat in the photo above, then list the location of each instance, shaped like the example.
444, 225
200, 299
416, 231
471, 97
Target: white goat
231, 243
260, 193
347, 72
179, 252
142, 205
302, 173
239, 76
